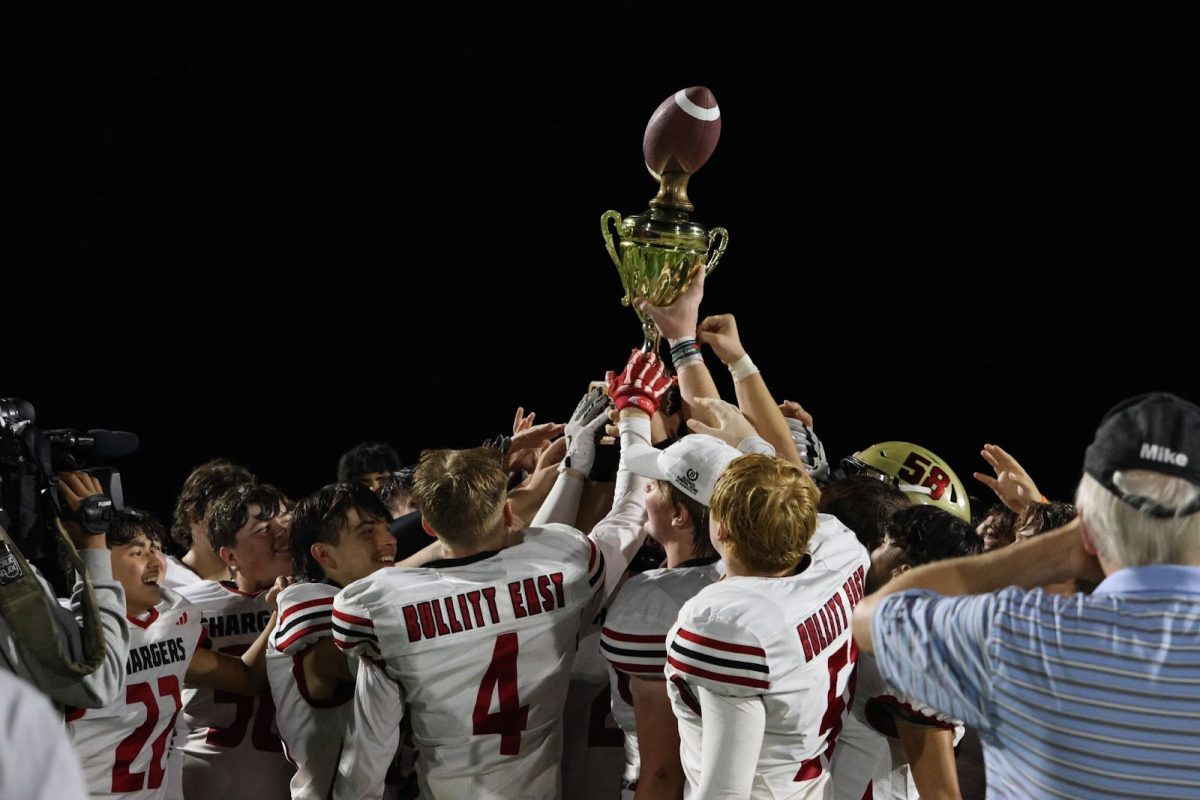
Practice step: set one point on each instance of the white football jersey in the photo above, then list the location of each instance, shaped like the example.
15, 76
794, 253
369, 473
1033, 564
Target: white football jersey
311, 730
786, 640
479, 649
178, 575
869, 760
634, 637
123, 746
232, 750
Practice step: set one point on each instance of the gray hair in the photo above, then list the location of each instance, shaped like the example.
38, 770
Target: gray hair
1131, 538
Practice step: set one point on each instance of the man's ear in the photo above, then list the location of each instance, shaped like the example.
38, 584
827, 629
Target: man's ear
508, 515
682, 517
427, 528
900, 569
228, 556
320, 552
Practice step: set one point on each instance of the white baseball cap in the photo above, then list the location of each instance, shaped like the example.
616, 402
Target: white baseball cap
691, 465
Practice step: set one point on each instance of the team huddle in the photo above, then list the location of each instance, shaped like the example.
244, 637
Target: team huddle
656, 599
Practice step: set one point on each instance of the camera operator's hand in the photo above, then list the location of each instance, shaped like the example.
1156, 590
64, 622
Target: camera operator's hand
75, 487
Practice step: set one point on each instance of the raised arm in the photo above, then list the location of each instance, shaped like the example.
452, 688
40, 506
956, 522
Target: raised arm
677, 323
754, 398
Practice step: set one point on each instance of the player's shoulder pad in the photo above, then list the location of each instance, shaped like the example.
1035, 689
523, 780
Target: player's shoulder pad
305, 616
832, 542
716, 644
567, 546
353, 628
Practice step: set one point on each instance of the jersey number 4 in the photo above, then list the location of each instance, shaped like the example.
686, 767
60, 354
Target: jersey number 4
501, 677
122, 779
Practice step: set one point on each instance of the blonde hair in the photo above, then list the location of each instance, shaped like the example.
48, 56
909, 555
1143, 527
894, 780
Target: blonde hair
460, 492
768, 510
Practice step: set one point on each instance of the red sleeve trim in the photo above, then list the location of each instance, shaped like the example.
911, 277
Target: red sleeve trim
716, 676
633, 637
344, 617
300, 634
320, 601
729, 647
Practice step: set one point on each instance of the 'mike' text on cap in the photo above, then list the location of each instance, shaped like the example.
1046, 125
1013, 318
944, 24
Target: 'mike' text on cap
1156, 452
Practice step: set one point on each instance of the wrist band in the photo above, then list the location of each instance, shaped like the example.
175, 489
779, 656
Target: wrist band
685, 352
742, 368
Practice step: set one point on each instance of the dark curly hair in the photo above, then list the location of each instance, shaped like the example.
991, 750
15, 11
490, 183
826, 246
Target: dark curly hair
863, 504
230, 511
926, 534
205, 484
365, 458
129, 523
1042, 517
321, 516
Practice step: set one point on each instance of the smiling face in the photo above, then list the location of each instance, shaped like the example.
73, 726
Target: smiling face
364, 544
261, 552
138, 567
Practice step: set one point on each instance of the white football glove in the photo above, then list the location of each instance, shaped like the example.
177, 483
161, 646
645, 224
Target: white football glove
589, 417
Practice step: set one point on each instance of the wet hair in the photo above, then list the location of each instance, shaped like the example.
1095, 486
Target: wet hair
863, 504
397, 487
1042, 517
204, 485
365, 458
925, 534
231, 511
130, 523
321, 517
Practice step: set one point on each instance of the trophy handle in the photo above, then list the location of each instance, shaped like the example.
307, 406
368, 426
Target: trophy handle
615, 218
716, 254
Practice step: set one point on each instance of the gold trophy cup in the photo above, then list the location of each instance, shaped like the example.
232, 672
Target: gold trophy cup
660, 251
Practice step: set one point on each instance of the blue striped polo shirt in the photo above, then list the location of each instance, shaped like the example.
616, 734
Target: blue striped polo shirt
1086, 696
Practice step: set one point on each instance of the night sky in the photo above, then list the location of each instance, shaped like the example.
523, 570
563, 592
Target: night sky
271, 232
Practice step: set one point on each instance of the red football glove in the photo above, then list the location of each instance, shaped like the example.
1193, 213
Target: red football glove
642, 383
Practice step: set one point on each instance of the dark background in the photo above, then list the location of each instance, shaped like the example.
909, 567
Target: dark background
271, 232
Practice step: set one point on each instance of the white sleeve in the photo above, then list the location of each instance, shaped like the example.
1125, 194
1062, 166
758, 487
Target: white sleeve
732, 738
562, 504
756, 444
370, 743
620, 533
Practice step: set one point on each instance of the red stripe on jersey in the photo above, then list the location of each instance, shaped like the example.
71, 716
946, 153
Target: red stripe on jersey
320, 601
353, 620
717, 676
718, 645
636, 667
301, 634
633, 637
74, 713
202, 639
591, 555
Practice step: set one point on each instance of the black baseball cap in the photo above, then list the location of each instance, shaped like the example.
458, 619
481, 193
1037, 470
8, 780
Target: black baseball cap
1159, 432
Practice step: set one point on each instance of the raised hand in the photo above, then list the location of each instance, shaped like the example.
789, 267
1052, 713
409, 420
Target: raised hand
721, 334
678, 320
1012, 483
588, 418
642, 384
732, 426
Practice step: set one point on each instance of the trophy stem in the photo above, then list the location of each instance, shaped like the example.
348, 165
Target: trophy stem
672, 192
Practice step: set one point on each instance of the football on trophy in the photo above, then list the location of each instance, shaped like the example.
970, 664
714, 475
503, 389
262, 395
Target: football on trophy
683, 132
